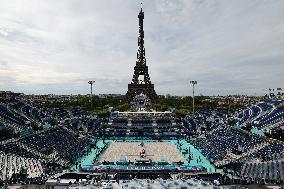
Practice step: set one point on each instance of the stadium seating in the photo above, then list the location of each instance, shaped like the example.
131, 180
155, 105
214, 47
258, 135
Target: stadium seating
120, 122
62, 142
190, 126
268, 152
147, 183
270, 170
218, 143
142, 122
68, 139
272, 117
12, 117
11, 164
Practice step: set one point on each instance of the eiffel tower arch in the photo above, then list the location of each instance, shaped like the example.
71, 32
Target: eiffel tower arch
141, 82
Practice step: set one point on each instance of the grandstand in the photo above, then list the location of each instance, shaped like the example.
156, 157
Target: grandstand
39, 143
146, 146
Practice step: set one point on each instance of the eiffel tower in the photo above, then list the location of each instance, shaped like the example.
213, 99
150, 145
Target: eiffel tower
143, 85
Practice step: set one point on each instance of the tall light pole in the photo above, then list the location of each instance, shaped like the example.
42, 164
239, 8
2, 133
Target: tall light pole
193, 83
91, 83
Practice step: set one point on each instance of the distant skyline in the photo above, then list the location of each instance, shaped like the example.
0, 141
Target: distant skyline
56, 47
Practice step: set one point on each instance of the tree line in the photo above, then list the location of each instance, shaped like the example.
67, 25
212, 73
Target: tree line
181, 105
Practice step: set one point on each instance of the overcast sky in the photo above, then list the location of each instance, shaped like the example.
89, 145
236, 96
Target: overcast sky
56, 46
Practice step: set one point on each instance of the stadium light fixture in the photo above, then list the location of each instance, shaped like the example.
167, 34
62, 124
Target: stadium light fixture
193, 83
91, 83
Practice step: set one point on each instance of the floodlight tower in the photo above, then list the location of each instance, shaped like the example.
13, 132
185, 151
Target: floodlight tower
91, 83
193, 83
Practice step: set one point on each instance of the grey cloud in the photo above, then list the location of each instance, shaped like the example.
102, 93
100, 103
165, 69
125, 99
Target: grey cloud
57, 46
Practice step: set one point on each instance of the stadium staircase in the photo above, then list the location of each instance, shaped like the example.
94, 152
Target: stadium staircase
127, 131
154, 123
156, 132
129, 124
110, 122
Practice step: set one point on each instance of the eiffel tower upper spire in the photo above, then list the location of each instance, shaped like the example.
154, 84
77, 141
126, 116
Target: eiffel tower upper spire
141, 49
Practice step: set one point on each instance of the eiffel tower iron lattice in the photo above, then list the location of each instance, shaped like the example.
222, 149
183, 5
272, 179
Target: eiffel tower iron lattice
144, 85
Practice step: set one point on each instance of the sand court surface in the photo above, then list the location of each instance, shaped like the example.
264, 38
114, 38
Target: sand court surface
132, 151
